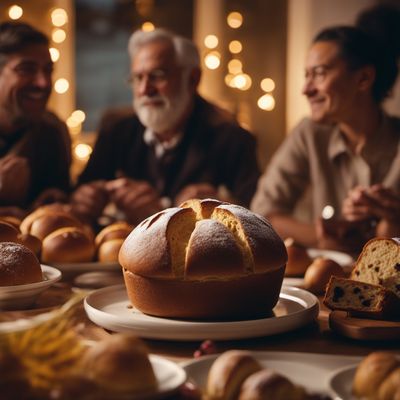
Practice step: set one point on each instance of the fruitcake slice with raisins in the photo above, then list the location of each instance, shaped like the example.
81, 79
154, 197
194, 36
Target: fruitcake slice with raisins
361, 299
379, 264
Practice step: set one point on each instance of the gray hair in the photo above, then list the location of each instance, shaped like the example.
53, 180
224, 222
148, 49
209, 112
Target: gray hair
186, 52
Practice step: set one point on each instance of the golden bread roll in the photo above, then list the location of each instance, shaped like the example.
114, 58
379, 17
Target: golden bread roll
26, 223
319, 272
371, 372
228, 372
67, 245
233, 261
8, 232
120, 364
298, 258
268, 384
48, 223
30, 241
117, 230
109, 250
10, 219
18, 265
390, 387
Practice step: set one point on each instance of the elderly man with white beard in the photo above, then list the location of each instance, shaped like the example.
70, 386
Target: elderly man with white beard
173, 146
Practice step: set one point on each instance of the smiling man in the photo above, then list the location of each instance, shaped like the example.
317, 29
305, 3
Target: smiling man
347, 154
34, 143
173, 147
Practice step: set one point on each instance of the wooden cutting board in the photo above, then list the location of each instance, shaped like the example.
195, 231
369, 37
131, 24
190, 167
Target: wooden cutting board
362, 328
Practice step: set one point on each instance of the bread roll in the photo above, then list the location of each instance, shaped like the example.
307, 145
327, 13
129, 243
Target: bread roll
120, 364
117, 230
228, 372
298, 258
18, 265
268, 384
10, 219
390, 387
30, 241
67, 245
233, 261
319, 272
8, 233
109, 250
371, 372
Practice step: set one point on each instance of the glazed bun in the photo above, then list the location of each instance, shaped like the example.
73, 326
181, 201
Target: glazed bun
298, 258
228, 372
319, 272
10, 219
8, 232
120, 364
117, 230
67, 245
109, 241
18, 265
30, 241
390, 387
371, 372
268, 384
109, 250
223, 254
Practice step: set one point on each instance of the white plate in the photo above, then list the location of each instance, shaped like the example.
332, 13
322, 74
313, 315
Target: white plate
23, 296
310, 370
341, 383
110, 308
170, 376
73, 269
343, 259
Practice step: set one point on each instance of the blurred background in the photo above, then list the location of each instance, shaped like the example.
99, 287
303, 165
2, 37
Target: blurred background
253, 54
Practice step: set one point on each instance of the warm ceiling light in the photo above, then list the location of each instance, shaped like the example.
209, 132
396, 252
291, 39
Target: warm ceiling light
59, 17
328, 212
15, 12
211, 41
229, 80
235, 66
212, 60
82, 151
54, 54
235, 47
267, 84
235, 19
58, 35
242, 81
78, 115
266, 102
61, 85
148, 26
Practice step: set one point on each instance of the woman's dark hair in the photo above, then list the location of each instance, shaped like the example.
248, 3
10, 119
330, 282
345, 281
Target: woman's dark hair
16, 36
359, 48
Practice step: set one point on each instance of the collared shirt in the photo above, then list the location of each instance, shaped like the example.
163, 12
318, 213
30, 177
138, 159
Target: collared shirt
317, 159
161, 147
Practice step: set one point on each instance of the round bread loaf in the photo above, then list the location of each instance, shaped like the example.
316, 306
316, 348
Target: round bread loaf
228, 372
390, 387
371, 372
18, 265
10, 219
120, 364
67, 245
298, 258
319, 272
229, 265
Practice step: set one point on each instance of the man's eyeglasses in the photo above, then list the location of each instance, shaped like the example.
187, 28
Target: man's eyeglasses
155, 77
317, 74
